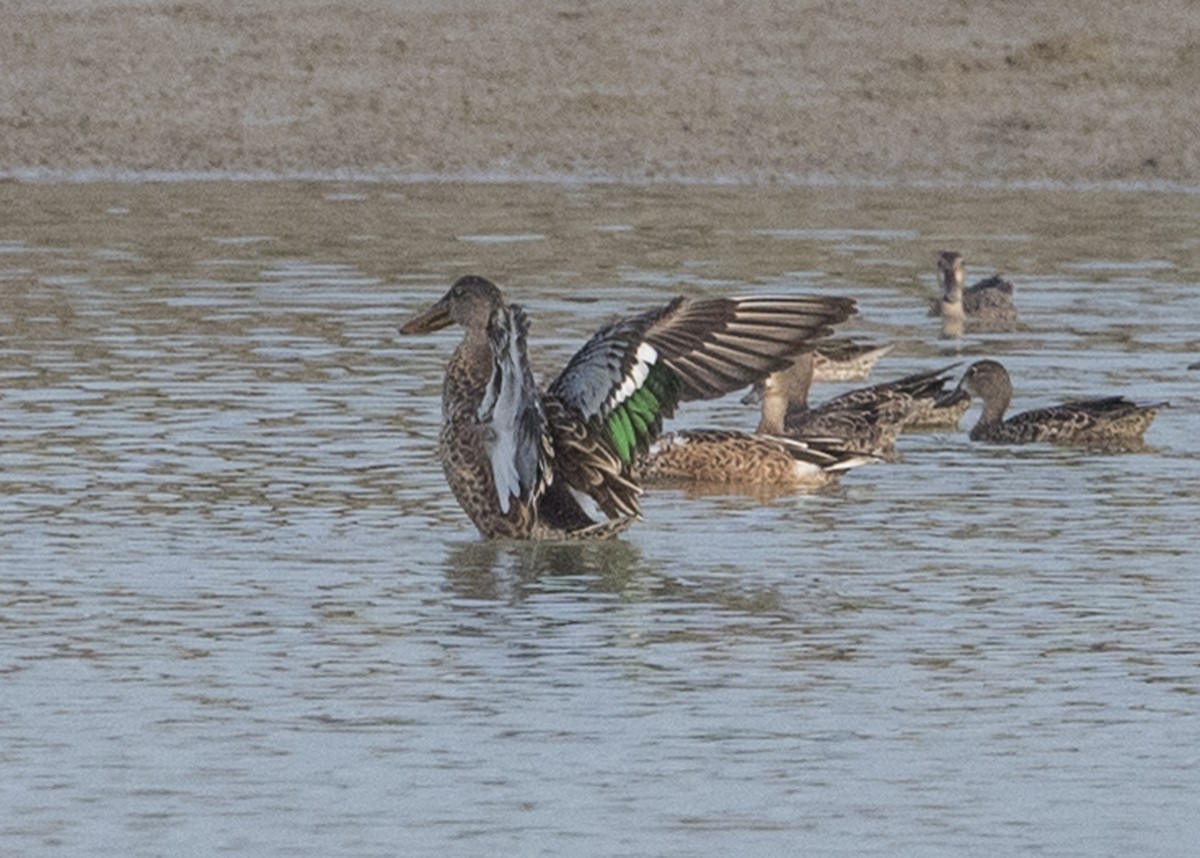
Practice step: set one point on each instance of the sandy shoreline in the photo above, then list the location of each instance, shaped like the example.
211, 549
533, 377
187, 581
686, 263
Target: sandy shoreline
935, 92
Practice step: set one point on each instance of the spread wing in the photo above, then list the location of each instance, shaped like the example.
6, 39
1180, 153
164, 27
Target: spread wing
633, 373
610, 401
514, 423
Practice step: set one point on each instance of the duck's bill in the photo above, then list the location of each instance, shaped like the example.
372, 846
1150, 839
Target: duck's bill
952, 397
433, 319
754, 396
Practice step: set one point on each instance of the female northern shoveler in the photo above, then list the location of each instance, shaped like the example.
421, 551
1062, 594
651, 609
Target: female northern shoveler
525, 463
846, 360
719, 456
867, 419
986, 306
1105, 422
941, 412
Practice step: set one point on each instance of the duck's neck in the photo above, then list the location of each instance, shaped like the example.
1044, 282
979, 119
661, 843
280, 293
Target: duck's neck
786, 393
994, 407
774, 410
467, 375
953, 314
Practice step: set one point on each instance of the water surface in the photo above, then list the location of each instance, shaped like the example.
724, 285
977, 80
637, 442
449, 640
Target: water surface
240, 612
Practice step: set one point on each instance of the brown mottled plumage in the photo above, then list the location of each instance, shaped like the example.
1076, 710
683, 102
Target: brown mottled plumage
719, 456
560, 463
846, 360
942, 412
1111, 421
867, 419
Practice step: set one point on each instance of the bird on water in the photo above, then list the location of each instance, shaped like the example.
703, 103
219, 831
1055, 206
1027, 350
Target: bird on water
1110, 421
528, 463
984, 306
866, 419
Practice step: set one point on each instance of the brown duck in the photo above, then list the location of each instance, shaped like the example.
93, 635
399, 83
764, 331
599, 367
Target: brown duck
751, 459
527, 463
985, 306
1104, 422
845, 360
866, 419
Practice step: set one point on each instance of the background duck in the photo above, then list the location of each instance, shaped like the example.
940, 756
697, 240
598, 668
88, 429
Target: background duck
525, 463
1103, 422
942, 412
719, 456
867, 419
986, 306
842, 359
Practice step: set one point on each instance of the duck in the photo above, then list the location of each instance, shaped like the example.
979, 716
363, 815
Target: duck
943, 411
985, 306
1103, 422
559, 462
749, 458
843, 359
866, 419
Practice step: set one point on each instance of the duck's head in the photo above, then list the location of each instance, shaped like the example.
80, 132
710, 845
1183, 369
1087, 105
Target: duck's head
469, 303
987, 379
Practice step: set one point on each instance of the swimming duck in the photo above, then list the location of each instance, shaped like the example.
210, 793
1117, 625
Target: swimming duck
941, 412
867, 419
985, 306
1108, 421
846, 360
530, 464
721, 456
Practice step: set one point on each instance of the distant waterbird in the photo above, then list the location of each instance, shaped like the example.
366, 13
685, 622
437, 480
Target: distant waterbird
986, 306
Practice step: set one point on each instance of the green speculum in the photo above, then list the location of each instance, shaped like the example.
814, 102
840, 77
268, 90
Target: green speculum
638, 419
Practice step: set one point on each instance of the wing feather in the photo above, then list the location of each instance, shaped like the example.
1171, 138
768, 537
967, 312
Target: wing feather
632, 374
511, 414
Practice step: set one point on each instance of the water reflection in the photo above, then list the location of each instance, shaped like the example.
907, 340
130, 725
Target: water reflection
509, 571
611, 576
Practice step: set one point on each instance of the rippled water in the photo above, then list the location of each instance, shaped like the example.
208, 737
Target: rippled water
240, 612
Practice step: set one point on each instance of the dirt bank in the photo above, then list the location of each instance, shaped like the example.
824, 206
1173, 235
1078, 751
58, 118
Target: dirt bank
1074, 91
